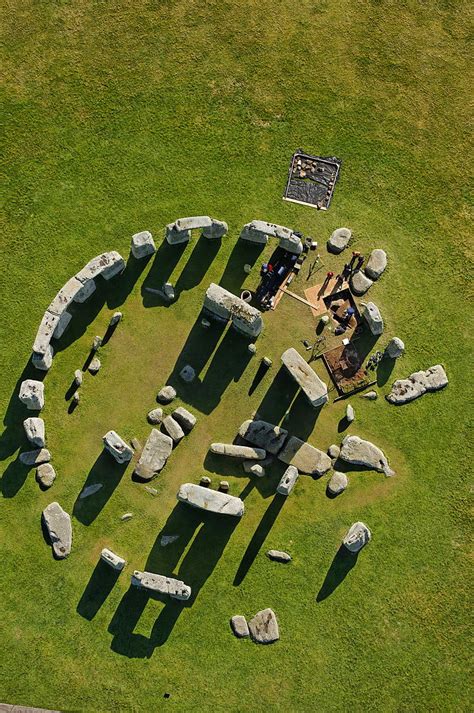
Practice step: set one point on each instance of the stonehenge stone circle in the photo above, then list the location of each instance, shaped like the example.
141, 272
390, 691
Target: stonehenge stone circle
239, 626
117, 447
32, 394
288, 480
359, 452
222, 305
373, 318
264, 627
263, 435
142, 245
376, 264
154, 455
61, 326
417, 384
339, 240
357, 537
258, 231
34, 430
112, 559
237, 451
180, 230
160, 584
58, 525
210, 500
312, 386
305, 457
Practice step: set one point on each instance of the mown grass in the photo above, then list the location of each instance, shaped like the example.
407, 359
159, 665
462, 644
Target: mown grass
122, 117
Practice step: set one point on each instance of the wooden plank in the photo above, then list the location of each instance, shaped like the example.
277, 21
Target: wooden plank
296, 297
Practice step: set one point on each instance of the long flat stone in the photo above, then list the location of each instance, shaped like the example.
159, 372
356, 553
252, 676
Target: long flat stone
160, 584
154, 455
45, 332
106, 264
194, 222
237, 451
312, 386
210, 500
359, 452
264, 435
417, 384
305, 457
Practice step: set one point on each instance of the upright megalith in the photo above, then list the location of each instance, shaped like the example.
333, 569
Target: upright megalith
32, 394
59, 528
34, 431
113, 560
357, 537
154, 455
373, 318
258, 231
222, 305
312, 386
210, 500
376, 264
339, 240
117, 447
159, 584
288, 480
142, 245
395, 348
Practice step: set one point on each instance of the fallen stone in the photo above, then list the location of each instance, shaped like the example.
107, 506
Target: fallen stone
90, 490
78, 377
339, 240
136, 445
185, 419
278, 556
239, 626
210, 500
216, 230
112, 559
263, 435
34, 430
237, 451
264, 627
58, 525
394, 348
62, 325
360, 283
173, 429
36, 457
252, 467
370, 395
371, 314
350, 413
166, 540
45, 475
169, 291
160, 584
333, 451
288, 480
32, 394
166, 395
337, 483
376, 263
117, 447
43, 362
126, 516
155, 415
142, 245
357, 537
312, 386
187, 374
95, 365
115, 319
154, 455
417, 384
305, 457
359, 452
152, 491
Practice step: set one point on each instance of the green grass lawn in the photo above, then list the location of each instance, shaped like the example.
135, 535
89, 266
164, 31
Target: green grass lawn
122, 117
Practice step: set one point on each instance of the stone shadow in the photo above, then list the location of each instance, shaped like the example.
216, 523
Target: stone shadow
243, 253
166, 258
119, 287
232, 467
340, 567
107, 471
98, 588
384, 370
197, 264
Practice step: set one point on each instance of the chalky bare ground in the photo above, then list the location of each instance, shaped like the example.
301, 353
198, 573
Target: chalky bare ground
124, 116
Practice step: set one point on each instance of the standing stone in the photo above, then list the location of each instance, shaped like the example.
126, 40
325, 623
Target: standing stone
78, 377
337, 483
350, 413
76, 398
154, 455
96, 343
394, 348
359, 452
252, 348
239, 626
58, 525
112, 559
62, 325
155, 415
36, 457
43, 362
34, 430
115, 319
224, 486
264, 627
169, 291
173, 429
95, 365
205, 481
312, 386
266, 361
187, 374
417, 384
288, 480
117, 447
216, 230
186, 420
263, 435
305, 457
376, 264
371, 314
142, 245
278, 556
339, 240
45, 475
210, 500
166, 395
357, 537
32, 394
333, 451
360, 283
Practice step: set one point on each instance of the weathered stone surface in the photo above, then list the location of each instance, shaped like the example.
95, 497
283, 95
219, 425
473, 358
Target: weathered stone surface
175, 236
43, 362
223, 305
39, 455
360, 283
62, 325
142, 245
417, 384
252, 348
117, 447
216, 230
169, 291
210, 500
34, 430
78, 377
187, 374
166, 540
350, 413
357, 537
45, 475
395, 348
264, 627
205, 481
288, 480
371, 314
112, 559
224, 486
194, 222
333, 451
266, 361
370, 396
45, 332
96, 343
313, 387
160, 584
252, 235
95, 365
58, 525
339, 240
173, 429
166, 395
32, 394
337, 483
90, 490
115, 319
278, 556
376, 264
65, 296
107, 264
155, 415
253, 467
305, 457
359, 452
88, 289
239, 626
237, 451
257, 231
186, 420
264, 435
126, 516
154, 455
292, 244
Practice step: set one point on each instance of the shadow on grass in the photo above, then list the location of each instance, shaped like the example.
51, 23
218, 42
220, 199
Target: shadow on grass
211, 535
107, 471
243, 253
166, 258
197, 264
340, 567
98, 588
384, 370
